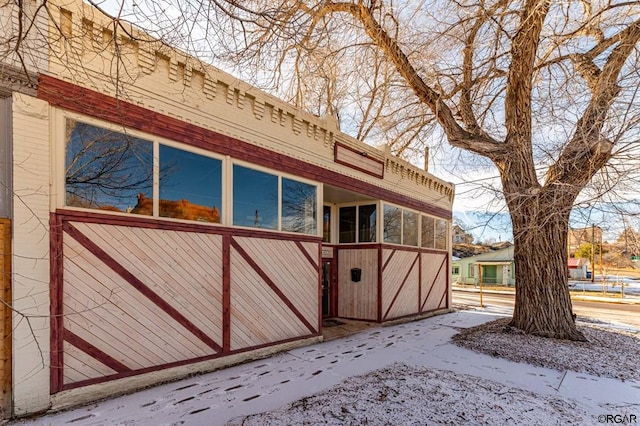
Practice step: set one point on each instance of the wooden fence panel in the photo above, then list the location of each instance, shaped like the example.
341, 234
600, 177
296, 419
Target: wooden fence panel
145, 296
137, 299
400, 283
435, 277
274, 291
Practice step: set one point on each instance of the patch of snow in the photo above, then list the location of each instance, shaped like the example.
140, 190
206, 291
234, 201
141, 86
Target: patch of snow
607, 353
407, 395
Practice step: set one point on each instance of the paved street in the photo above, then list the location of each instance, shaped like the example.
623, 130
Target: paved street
613, 312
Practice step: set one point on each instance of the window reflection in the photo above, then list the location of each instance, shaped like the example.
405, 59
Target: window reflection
255, 198
392, 225
409, 228
190, 185
299, 210
428, 235
441, 234
106, 170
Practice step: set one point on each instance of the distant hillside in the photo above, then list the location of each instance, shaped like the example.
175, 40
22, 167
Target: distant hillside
468, 250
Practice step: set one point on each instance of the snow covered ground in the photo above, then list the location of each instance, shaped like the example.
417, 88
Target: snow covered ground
412, 373
609, 284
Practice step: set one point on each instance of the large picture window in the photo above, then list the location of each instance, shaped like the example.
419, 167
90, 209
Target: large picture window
107, 170
255, 198
367, 219
299, 207
190, 185
116, 171
257, 195
435, 233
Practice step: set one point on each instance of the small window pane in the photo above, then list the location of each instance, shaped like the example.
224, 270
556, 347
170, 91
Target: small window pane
108, 170
326, 224
299, 208
441, 234
409, 228
367, 217
392, 225
347, 224
255, 198
428, 232
190, 185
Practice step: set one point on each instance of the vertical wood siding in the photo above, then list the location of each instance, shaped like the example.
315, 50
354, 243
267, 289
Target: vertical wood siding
358, 300
137, 298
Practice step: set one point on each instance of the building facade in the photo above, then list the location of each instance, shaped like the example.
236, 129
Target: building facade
171, 219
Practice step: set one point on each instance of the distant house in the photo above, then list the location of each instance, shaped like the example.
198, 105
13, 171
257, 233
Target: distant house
492, 268
460, 236
578, 267
497, 268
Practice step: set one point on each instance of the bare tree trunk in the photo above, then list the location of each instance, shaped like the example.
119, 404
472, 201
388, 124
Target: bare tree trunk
543, 303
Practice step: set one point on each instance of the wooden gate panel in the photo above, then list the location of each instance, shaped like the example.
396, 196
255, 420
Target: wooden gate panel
94, 308
435, 276
131, 301
274, 291
169, 263
400, 283
290, 265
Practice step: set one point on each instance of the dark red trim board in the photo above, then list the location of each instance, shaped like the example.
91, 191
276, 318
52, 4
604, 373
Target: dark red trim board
56, 308
393, 251
95, 216
139, 285
226, 293
380, 271
441, 299
94, 352
313, 262
241, 251
177, 364
78, 99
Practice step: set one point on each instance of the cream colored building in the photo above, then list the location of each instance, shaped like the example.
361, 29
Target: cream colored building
171, 219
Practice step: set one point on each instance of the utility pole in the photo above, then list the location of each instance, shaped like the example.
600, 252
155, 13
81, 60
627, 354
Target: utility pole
593, 253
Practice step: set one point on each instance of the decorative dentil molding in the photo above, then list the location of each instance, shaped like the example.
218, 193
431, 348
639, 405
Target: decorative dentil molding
95, 33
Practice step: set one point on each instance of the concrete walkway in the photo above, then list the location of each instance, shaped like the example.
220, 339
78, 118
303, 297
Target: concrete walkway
267, 384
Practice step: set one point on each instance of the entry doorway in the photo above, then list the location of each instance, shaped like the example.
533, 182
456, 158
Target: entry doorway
328, 289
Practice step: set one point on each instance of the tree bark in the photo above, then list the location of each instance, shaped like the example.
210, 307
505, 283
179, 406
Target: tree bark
543, 303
